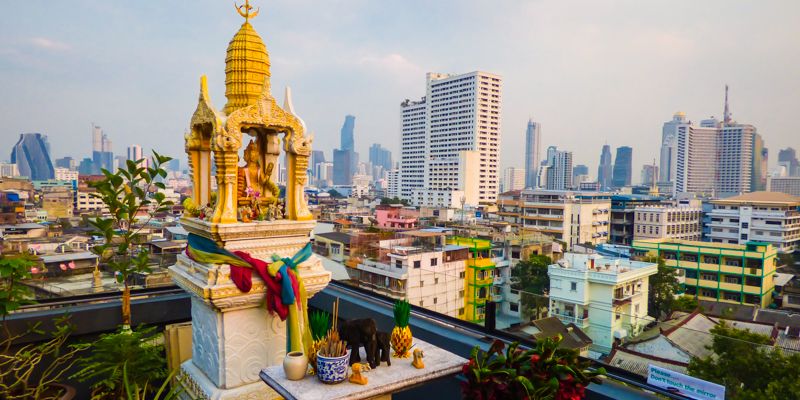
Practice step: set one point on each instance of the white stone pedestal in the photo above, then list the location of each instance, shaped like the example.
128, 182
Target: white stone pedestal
233, 336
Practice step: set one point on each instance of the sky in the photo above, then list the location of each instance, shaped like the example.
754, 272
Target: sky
590, 72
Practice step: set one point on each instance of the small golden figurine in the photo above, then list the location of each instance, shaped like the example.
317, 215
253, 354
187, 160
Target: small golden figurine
418, 356
358, 369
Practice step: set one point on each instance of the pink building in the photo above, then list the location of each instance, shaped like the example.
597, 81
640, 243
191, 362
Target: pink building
395, 216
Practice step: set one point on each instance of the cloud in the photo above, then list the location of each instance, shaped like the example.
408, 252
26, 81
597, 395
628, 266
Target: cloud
48, 44
394, 63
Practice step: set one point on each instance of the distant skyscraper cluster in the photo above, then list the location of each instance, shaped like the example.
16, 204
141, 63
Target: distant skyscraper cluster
102, 150
533, 153
450, 141
381, 160
787, 161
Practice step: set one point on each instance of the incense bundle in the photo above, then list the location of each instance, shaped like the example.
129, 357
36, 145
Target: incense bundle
332, 345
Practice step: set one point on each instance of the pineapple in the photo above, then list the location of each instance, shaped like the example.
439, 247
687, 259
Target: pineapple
401, 334
319, 323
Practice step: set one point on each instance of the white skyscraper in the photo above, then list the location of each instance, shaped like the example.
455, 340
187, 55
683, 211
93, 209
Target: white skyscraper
450, 140
533, 153
393, 184
558, 174
134, 153
513, 179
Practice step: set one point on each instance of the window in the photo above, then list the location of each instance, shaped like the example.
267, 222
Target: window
636, 310
417, 264
733, 263
514, 307
460, 294
421, 283
434, 261
691, 274
435, 300
708, 293
744, 236
398, 263
732, 296
513, 291
421, 303
732, 279
710, 260
461, 311
573, 286
462, 275
656, 230
435, 280
335, 249
745, 225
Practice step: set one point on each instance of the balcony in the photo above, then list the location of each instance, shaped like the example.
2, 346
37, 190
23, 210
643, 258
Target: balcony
498, 280
569, 319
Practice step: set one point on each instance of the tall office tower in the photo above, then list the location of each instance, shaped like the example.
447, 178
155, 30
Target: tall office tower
533, 153
715, 158
87, 167
102, 149
342, 167
121, 161
66, 162
605, 169
393, 184
175, 164
513, 179
380, 156
558, 172
135, 153
347, 140
580, 170
669, 137
623, 166
317, 156
31, 156
459, 114
758, 179
788, 159
649, 174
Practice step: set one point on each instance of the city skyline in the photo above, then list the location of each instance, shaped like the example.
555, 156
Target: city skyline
669, 65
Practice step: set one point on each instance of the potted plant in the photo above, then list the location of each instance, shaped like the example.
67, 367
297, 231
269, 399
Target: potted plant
545, 372
134, 392
130, 355
319, 323
127, 194
16, 368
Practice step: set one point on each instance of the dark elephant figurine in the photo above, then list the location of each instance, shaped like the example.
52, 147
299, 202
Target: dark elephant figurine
383, 349
357, 332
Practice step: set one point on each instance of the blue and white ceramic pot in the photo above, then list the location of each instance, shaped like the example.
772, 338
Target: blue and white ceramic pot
332, 369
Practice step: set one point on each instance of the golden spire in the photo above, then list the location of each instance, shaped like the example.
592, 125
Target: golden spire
246, 65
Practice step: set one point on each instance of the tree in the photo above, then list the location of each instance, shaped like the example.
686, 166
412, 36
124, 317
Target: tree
335, 193
685, 303
65, 224
663, 286
395, 200
748, 366
531, 278
126, 193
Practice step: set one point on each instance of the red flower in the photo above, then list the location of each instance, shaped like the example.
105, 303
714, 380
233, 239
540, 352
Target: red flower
534, 359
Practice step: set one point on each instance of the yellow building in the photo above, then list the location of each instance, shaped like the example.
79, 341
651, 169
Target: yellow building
478, 275
730, 273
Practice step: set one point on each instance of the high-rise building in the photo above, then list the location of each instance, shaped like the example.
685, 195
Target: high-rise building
649, 174
32, 158
788, 158
714, 158
64, 174
343, 167
623, 166
87, 167
459, 113
580, 170
558, 173
102, 149
66, 162
533, 153
605, 169
135, 153
758, 180
175, 164
764, 217
8, 170
317, 156
347, 139
380, 156
513, 179
393, 184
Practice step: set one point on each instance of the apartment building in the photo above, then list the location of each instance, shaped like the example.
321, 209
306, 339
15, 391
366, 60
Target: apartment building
622, 215
768, 217
458, 113
85, 202
486, 277
570, 216
604, 297
682, 219
415, 265
65, 174
784, 184
729, 273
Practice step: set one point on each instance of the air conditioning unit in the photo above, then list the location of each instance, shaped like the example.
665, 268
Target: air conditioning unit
620, 334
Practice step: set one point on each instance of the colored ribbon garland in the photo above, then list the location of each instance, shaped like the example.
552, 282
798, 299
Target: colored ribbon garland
284, 285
